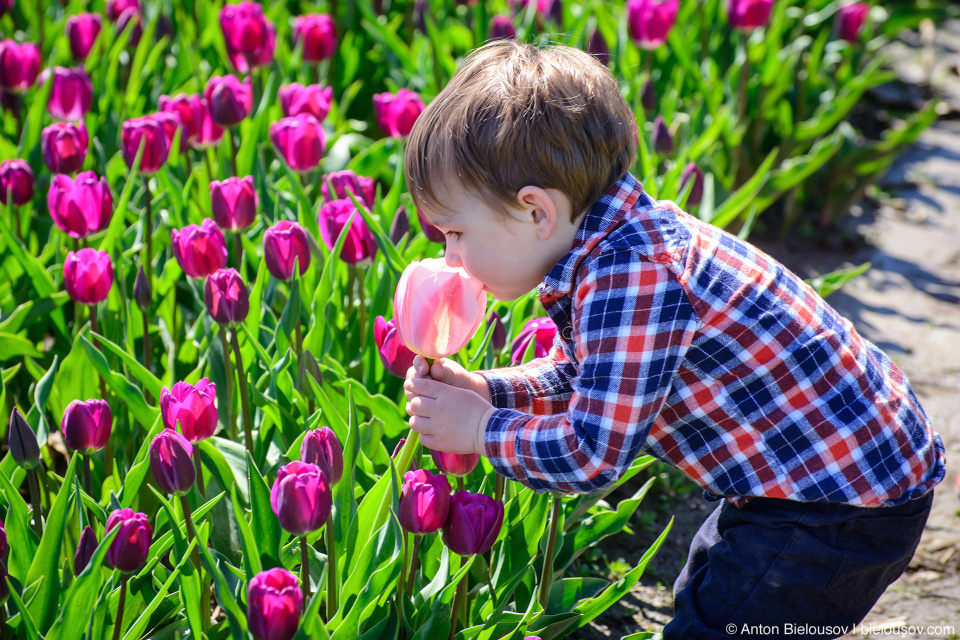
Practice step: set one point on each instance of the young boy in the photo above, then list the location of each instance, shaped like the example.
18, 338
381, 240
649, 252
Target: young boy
675, 338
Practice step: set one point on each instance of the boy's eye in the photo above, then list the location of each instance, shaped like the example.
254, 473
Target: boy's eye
454, 234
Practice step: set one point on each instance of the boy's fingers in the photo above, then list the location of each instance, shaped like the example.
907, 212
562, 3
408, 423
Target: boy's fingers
424, 387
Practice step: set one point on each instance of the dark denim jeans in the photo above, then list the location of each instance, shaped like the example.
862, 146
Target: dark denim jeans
784, 569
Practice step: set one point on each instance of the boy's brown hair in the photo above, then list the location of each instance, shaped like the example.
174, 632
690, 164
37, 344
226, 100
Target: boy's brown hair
516, 114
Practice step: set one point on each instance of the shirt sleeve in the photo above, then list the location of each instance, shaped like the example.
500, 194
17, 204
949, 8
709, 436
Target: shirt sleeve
633, 324
541, 386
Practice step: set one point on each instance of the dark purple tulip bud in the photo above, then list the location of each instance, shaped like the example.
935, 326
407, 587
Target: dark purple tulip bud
251, 39
234, 202
226, 297
540, 330
141, 290
156, 144
420, 10
80, 207
400, 226
24, 448
309, 365
650, 21
4, 584
322, 448
85, 550
692, 171
229, 100
136, 31
501, 28
747, 15
396, 113
64, 146
3, 542
86, 425
200, 249
300, 141
192, 407
82, 32
662, 139
849, 20
359, 247
363, 188
473, 523
395, 355
283, 244
319, 35
499, 338
314, 99
164, 28
301, 497
648, 99
597, 47
88, 275
19, 65
71, 93
16, 182
274, 605
171, 462
455, 464
129, 550
433, 234
116, 8
424, 501
5, 6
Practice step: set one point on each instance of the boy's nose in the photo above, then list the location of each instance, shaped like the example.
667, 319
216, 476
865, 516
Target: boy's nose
452, 258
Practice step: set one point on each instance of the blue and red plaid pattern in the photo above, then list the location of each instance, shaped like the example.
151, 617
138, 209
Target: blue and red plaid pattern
681, 340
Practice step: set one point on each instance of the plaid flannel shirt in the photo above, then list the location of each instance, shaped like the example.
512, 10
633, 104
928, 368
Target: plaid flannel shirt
681, 340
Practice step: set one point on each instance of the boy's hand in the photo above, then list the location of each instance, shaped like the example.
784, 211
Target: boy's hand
451, 373
448, 418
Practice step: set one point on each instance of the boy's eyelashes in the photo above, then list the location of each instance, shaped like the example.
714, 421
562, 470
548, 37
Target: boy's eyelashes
453, 234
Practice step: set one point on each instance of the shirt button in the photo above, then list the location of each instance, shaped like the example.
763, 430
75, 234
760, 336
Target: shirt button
566, 333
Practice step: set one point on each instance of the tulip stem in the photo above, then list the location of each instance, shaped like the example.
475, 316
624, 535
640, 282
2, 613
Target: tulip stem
414, 557
85, 463
244, 400
459, 483
228, 370
35, 499
457, 605
332, 604
191, 531
3, 620
196, 462
238, 249
148, 230
498, 488
547, 575
96, 343
146, 342
403, 463
305, 568
118, 623
235, 145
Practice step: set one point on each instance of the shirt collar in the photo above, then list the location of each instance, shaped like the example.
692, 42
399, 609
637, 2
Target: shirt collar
600, 219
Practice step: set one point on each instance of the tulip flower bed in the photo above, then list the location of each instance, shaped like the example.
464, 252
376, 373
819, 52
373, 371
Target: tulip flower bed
202, 339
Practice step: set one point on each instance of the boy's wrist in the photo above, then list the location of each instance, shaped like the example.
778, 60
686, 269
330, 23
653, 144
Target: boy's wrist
480, 386
480, 436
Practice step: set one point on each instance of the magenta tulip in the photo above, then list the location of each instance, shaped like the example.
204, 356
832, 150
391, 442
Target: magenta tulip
314, 99
200, 249
16, 182
192, 407
234, 202
156, 145
849, 20
130, 548
650, 21
300, 141
473, 523
251, 39
541, 331
322, 448
692, 172
86, 425
209, 133
82, 32
19, 65
342, 182
359, 246
116, 8
85, 550
226, 297
396, 113
284, 243
501, 27
747, 15
171, 462
88, 275
395, 355
438, 308
71, 93
455, 464
424, 501
301, 497
318, 32
171, 122
80, 207
274, 605
64, 146
229, 100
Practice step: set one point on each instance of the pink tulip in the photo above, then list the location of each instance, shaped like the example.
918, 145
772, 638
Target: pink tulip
650, 21
300, 141
455, 464
250, 37
226, 297
16, 181
322, 448
274, 605
130, 548
192, 407
156, 145
19, 65
171, 462
438, 308
394, 354
234, 202
541, 331
424, 502
314, 99
747, 15
473, 524
850, 19
64, 146
200, 249
501, 27
359, 246
230, 100
201, 131
116, 8
284, 243
170, 121
86, 425
342, 182
318, 32
88, 275
82, 32
80, 207
71, 93
301, 497
396, 113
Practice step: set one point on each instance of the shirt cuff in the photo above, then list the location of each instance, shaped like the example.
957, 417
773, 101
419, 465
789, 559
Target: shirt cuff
504, 392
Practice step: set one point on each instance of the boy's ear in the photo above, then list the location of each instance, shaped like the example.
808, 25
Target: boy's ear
538, 208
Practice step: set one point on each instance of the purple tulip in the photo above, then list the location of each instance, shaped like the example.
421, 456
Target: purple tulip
282, 244
201, 132
696, 189
396, 113
455, 464
85, 550
662, 138
319, 35
19, 65
170, 121
322, 448
424, 501
64, 146
849, 20
3, 542
86, 425
433, 234
251, 39
171, 462
71, 93
141, 290
747, 15
598, 48
359, 246
541, 331
230, 100
80, 207
200, 249
209, 133
16, 181
395, 355
129, 550
136, 31
192, 407
274, 605
363, 188
234, 202
498, 340
300, 141
116, 8
473, 523
650, 21
226, 297
5, 6
301, 497
648, 98
82, 32
501, 27
88, 275
400, 226
22, 441
156, 145
314, 99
